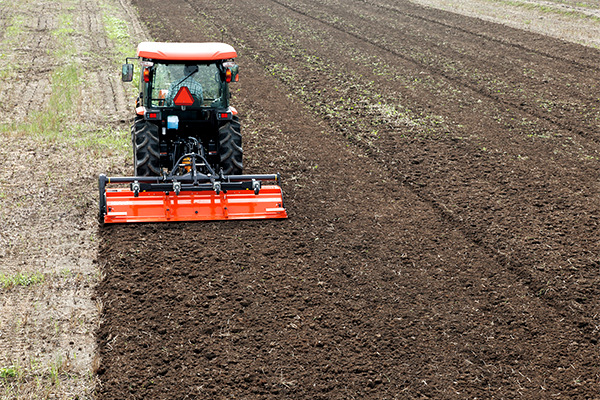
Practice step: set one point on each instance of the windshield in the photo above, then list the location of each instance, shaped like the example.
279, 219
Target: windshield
202, 80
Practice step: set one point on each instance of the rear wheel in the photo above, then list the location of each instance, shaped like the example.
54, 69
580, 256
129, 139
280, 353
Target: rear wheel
146, 155
230, 148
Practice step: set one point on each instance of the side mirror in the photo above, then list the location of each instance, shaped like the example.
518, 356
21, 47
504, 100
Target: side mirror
127, 73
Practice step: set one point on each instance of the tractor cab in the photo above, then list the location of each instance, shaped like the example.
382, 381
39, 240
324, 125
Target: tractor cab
202, 68
184, 95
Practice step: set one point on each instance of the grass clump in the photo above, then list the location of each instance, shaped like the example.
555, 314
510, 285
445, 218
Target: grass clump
20, 279
8, 372
40, 379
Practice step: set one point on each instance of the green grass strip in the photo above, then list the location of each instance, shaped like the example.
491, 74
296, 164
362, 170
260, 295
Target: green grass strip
21, 279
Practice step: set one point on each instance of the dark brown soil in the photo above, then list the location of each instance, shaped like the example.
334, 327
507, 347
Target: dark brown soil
441, 174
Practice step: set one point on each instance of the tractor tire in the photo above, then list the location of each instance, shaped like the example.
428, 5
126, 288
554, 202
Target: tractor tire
146, 155
230, 148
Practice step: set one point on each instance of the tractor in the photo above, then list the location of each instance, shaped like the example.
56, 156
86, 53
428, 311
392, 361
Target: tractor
187, 143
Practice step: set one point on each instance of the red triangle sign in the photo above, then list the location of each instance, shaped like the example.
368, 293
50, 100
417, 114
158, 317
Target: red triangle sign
183, 97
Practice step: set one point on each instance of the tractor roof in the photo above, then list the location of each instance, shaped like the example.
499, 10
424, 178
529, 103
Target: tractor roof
186, 51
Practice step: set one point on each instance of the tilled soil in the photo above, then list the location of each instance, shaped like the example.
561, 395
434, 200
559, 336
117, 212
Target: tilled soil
441, 176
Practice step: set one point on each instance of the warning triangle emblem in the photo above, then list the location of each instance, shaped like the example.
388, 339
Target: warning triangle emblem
183, 97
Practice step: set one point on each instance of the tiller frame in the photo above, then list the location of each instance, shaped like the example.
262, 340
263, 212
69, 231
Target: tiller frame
193, 196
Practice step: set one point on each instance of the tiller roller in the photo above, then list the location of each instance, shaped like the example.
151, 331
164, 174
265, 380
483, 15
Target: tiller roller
193, 196
187, 143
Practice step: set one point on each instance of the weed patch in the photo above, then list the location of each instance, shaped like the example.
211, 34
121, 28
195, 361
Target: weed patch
21, 279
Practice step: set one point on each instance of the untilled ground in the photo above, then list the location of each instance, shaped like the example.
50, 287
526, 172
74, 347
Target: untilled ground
62, 113
441, 176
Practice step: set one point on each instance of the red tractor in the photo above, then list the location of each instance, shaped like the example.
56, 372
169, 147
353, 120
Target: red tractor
187, 145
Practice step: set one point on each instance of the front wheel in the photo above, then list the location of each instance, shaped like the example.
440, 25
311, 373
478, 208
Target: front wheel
146, 155
230, 148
